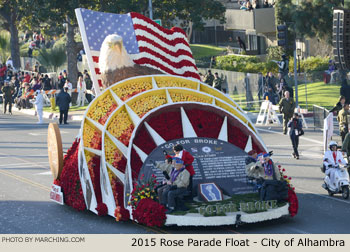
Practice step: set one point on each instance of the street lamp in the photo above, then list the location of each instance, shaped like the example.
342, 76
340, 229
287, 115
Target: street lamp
299, 54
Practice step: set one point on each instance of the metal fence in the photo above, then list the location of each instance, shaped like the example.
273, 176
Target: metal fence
319, 114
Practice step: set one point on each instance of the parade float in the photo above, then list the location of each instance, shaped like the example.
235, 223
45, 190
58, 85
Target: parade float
109, 171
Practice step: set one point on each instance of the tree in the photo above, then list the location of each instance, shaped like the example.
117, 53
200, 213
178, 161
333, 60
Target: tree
52, 58
311, 19
190, 13
11, 11
5, 48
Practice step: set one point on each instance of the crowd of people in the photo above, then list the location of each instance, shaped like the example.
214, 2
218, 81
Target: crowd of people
249, 5
23, 89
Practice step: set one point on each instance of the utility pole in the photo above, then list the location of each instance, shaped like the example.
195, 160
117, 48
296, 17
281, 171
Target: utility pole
150, 9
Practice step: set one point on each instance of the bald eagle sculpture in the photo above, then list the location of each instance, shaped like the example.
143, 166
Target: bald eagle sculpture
116, 64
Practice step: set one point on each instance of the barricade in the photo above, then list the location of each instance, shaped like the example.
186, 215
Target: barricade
319, 114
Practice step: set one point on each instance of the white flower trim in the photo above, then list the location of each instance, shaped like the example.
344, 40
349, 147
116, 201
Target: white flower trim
194, 219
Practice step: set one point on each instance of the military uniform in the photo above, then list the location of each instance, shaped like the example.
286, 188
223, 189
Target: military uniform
209, 78
217, 83
287, 109
7, 96
343, 120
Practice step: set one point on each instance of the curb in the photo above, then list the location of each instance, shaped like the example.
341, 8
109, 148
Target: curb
48, 115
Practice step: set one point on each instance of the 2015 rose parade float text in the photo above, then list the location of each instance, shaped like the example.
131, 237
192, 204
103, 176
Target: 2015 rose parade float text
112, 167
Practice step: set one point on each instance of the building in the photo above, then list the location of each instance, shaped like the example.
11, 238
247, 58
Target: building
255, 27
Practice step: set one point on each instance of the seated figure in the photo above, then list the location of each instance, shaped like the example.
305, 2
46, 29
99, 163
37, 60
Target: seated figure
176, 186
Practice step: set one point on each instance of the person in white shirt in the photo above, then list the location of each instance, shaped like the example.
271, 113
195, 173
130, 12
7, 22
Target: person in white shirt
332, 159
81, 86
39, 105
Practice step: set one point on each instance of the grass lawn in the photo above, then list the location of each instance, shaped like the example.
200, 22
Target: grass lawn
318, 93
202, 51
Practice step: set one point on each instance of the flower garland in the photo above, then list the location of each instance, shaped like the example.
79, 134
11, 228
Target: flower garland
102, 109
181, 97
92, 137
142, 106
171, 82
120, 212
142, 190
292, 197
121, 127
150, 213
131, 89
70, 181
236, 136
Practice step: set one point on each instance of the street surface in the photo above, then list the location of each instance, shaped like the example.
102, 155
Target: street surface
25, 182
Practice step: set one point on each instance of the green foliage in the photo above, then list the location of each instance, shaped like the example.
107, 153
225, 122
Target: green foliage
252, 64
311, 64
310, 18
5, 48
52, 58
274, 53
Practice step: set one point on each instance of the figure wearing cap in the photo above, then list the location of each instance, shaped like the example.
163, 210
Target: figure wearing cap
177, 184
261, 166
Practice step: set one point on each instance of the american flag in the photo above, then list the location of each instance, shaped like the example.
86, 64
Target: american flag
146, 42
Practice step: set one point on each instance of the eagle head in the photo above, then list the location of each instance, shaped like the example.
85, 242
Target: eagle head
113, 54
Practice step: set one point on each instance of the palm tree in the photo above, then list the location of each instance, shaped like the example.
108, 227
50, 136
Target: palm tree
5, 48
52, 58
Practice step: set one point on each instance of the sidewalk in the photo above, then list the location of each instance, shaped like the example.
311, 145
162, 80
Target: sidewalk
72, 115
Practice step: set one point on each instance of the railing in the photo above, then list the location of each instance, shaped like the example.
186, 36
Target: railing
320, 113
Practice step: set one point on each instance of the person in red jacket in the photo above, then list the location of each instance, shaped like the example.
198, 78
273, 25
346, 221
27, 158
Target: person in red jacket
188, 160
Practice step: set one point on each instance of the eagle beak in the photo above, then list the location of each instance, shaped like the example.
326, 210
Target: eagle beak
117, 45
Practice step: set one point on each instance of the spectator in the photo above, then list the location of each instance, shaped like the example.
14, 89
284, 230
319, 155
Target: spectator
209, 78
81, 86
217, 83
88, 83
241, 44
3, 70
261, 85
266, 4
63, 100
249, 5
256, 4
7, 91
339, 106
26, 77
271, 81
285, 88
9, 63
36, 85
47, 82
270, 95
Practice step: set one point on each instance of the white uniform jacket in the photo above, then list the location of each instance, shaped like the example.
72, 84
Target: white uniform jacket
328, 159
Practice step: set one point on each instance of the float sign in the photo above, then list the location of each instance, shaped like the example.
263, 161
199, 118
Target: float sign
56, 194
215, 161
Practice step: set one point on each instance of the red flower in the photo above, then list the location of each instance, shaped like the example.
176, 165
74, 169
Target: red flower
102, 209
70, 181
283, 170
150, 213
279, 166
284, 176
293, 203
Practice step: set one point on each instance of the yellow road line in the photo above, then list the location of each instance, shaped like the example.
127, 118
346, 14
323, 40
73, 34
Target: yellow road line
24, 180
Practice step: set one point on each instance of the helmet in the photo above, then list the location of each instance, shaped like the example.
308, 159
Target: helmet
331, 144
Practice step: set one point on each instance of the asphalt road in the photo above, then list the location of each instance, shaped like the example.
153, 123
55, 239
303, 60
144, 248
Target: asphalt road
25, 182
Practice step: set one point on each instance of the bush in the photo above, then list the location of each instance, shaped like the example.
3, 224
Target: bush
252, 64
